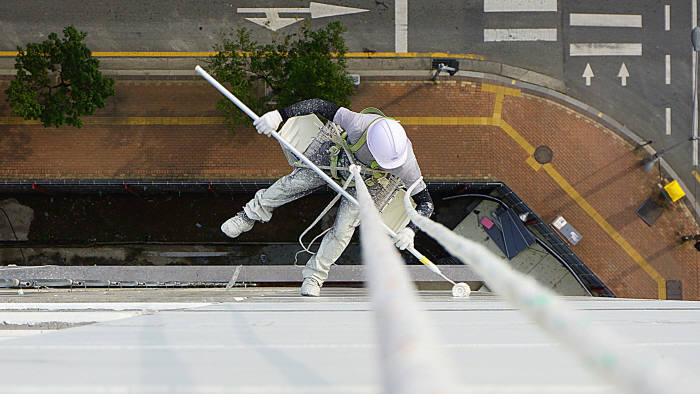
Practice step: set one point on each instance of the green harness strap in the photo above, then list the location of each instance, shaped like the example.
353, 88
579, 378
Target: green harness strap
335, 150
363, 138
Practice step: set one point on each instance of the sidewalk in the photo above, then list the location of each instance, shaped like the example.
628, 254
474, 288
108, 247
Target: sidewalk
462, 129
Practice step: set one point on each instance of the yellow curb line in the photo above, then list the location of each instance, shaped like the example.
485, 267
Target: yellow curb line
485, 87
660, 281
211, 53
564, 185
498, 108
533, 163
444, 120
129, 120
217, 120
517, 137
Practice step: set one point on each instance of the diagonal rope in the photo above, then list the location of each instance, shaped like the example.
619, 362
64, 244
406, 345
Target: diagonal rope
630, 369
410, 355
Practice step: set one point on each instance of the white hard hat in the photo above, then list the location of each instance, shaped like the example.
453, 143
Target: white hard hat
388, 143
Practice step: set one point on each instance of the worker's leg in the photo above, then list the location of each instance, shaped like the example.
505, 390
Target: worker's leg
333, 243
299, 183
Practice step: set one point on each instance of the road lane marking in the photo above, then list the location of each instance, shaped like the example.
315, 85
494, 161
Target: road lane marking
520, 5
588, 74
401, 26
668, 69
667, 17
415, 54
623, 74
668, 121
605, 20
498, 35
274, 22
605, 49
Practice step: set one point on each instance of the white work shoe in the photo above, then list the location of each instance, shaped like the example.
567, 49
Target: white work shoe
237, 225
310, 288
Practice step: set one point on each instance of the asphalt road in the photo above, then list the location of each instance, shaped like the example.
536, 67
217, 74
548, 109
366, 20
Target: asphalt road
457, 26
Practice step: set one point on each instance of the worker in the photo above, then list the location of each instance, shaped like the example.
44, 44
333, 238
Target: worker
384, 146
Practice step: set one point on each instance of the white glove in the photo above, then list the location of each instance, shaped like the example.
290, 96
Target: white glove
268, 123
404, 238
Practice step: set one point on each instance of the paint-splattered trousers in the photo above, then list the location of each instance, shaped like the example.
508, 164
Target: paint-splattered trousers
299, 183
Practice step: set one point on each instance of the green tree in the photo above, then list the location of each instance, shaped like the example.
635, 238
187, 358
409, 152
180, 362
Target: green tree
58, 81
299, 66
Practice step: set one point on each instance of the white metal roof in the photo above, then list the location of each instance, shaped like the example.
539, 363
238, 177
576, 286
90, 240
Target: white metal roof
273, 341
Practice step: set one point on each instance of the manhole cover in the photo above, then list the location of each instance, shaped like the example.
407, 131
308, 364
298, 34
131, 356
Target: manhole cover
674, 290
543, 154
650, 212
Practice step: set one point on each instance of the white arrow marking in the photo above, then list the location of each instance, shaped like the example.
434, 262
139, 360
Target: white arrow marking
272, 19
274, 22
588, 74
623, 74
320, 10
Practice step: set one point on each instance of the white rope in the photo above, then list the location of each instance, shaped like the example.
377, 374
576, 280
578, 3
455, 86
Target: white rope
318, 218
410, 355
630, 369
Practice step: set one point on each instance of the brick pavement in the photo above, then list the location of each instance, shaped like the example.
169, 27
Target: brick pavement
461, 129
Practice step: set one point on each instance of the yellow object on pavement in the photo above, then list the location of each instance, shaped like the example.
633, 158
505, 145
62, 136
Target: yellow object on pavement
674, 191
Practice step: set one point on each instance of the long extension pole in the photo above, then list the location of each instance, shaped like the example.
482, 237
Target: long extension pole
313, 166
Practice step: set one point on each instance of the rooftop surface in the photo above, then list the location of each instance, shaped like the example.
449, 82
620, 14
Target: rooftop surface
274, 341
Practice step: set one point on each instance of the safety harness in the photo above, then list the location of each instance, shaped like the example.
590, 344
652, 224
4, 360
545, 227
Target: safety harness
382, 187
343, 144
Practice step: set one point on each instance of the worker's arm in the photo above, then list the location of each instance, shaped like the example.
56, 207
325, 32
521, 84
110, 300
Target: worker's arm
312, 106
424, 205
343, 117
271, 121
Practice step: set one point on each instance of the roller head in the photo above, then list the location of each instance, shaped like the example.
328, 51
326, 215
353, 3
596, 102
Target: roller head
461, 290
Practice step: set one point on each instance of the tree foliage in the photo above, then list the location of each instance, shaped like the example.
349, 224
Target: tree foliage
58, 81
295, 67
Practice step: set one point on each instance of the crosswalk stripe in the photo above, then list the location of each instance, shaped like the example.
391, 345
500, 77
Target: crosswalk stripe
520, 5
401, 26
496, 35
605, 49
605, 20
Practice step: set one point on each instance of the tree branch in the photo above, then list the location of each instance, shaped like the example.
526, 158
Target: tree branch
59, 85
